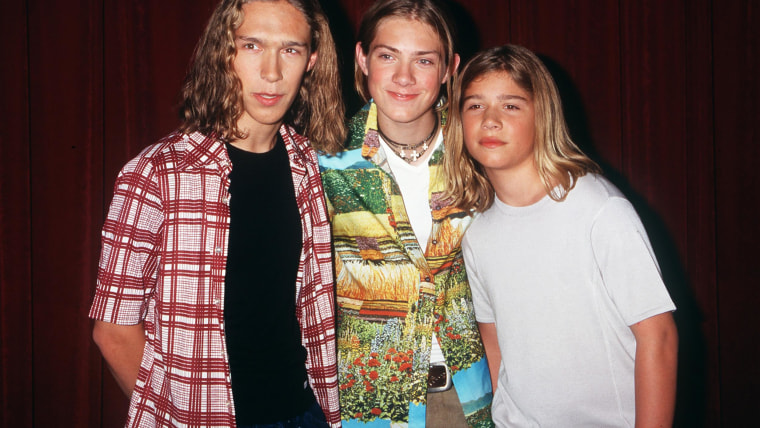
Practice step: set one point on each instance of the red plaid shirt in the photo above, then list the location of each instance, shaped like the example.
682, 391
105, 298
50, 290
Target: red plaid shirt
163, 263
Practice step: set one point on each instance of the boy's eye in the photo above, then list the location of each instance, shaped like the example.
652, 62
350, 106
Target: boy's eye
426, 61
511, 107
473, 107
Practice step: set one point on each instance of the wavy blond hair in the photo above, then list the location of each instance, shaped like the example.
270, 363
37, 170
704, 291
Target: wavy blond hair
558, 159
212, 93
428, 12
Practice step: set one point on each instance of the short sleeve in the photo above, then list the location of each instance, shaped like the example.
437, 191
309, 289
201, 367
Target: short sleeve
480, 299
627, 264
130, 238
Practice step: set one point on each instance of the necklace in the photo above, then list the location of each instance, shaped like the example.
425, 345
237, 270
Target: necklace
409, 152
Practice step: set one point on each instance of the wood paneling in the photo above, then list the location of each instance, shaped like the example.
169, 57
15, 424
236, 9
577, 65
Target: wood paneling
653, 106
66, 110
698, 392
15, 223
737, 109
149, 45
579, 42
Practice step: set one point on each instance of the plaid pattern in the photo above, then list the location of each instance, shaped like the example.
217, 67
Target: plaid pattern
163, 263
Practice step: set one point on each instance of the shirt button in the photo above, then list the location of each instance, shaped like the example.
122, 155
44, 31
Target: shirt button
216, 302
218, 250
435, 242
427, 279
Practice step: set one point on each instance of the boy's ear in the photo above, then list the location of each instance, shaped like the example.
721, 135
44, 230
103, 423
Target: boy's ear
452, 69
312, 60
361, 59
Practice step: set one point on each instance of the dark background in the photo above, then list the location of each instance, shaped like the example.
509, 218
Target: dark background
663, 93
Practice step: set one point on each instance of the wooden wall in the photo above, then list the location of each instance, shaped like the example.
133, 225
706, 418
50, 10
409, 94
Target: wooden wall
664, 94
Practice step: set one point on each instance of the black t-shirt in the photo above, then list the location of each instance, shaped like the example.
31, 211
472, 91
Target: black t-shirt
267, 360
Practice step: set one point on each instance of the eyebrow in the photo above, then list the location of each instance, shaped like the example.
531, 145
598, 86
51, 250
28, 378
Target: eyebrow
415, 53
501, 97
261, 42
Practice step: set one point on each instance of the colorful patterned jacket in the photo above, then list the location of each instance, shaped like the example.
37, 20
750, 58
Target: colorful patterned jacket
392, 295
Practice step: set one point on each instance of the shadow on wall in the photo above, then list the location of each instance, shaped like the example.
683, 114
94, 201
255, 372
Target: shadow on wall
466, 32
691, 401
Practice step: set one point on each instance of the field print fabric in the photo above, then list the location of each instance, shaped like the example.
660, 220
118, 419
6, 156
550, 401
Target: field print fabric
393, 295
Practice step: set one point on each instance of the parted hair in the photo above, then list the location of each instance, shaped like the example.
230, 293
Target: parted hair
212, 99
557, 158
430, 12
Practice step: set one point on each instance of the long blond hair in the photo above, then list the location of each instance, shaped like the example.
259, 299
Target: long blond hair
428, 12
212, 92
558, 159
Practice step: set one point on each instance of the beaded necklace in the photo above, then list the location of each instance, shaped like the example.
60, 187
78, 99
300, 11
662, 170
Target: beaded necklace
408, 152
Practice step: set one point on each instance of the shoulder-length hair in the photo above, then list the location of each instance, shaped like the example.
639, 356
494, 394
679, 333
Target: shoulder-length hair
428, 12
212, 93
558, 159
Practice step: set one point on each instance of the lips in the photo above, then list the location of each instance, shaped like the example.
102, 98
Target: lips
267, 99
402, 97
491, 142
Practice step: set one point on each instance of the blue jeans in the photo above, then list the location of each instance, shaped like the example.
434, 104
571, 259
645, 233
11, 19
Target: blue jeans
313, 417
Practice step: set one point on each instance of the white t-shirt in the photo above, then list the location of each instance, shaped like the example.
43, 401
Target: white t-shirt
414, 183
563, 281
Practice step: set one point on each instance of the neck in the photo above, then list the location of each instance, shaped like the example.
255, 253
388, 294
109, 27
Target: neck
407, 132
519, 188
260, 140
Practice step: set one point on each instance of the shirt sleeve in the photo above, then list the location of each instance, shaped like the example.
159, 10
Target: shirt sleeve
627, 263
480, 299
130, 238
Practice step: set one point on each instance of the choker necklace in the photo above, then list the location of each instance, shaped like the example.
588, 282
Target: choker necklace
409, 152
